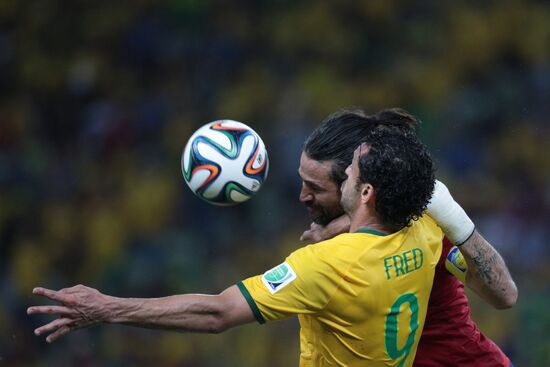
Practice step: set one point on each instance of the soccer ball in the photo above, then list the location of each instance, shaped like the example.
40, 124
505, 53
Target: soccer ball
225, 162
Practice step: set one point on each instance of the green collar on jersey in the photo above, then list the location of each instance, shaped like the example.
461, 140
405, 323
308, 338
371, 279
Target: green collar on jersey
370, 231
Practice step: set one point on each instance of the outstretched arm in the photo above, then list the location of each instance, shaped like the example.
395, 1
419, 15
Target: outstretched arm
81, 307
487, 273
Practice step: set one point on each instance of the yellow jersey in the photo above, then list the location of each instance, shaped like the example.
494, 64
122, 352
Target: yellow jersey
361, 298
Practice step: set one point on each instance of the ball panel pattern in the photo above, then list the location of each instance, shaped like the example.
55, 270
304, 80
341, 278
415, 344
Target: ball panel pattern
225, 162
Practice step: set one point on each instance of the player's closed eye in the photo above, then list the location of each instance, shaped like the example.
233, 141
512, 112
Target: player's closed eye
313, 187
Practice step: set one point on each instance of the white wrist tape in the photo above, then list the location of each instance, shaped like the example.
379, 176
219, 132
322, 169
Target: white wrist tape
450, 216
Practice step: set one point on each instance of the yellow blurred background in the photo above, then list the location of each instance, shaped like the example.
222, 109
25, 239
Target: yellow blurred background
97, 100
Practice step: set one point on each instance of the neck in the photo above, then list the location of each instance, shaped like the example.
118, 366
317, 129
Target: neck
369, 222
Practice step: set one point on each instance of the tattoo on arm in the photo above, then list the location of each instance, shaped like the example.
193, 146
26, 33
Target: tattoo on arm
485, 261
487, 272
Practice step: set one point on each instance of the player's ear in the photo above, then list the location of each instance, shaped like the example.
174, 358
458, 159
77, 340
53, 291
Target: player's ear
367, 193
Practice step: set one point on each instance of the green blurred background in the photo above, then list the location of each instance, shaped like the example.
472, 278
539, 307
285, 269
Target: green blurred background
97, 100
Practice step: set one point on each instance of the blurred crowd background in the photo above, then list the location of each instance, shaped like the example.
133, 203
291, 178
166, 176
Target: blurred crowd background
97, 100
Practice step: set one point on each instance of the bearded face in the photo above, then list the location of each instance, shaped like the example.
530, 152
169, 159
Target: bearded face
319, 193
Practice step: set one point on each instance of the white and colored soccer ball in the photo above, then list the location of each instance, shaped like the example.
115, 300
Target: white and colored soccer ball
225, 162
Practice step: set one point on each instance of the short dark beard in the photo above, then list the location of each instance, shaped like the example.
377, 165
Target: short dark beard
327, 217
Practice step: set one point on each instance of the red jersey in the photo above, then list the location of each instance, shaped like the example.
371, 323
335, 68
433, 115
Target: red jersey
450, 336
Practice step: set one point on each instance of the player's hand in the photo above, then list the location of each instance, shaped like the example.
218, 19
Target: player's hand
79, 307
317, 232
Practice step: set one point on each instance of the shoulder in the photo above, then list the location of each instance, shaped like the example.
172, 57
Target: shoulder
343, 243
428, 228
338, 251
427, 221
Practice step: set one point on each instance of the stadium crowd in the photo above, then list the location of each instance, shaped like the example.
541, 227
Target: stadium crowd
98, 99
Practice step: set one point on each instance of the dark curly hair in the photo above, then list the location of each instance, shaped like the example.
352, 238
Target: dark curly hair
401, 171
340, 133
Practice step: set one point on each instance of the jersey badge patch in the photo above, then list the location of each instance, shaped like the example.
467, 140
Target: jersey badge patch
278, 277
456, 264
455, 258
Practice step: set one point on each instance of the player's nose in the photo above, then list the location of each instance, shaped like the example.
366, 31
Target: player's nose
305, 195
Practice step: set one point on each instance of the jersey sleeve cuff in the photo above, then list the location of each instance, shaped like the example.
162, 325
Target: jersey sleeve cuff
251, 303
